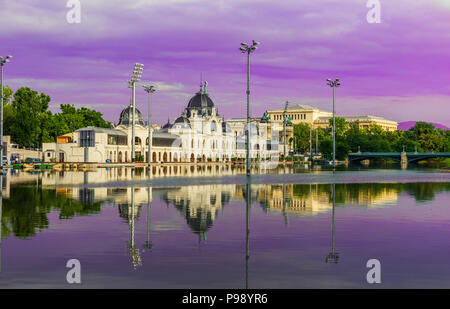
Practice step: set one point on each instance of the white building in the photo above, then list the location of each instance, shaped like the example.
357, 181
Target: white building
199, 134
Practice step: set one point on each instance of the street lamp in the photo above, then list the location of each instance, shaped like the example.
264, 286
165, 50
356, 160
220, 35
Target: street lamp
284, 129
149, 89
2, 63
136, 76
334, 84
245, 48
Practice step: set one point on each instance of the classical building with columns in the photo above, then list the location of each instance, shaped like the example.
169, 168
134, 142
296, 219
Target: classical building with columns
199, 134
320, 119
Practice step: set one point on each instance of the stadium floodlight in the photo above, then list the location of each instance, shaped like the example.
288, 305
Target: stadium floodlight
149, 89
245, 48
334, 84
2, 63
136, 76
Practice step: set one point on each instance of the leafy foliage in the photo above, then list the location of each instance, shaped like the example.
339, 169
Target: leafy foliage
30, 123
350, 137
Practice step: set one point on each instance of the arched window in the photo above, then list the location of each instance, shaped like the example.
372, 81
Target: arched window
213, 126
137, 140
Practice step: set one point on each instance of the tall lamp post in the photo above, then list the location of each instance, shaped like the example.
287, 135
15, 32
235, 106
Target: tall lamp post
245, 48
284, 129
137, 73
149, 89
334, 84
2, 63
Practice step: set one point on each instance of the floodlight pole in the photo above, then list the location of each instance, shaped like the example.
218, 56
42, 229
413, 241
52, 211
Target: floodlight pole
284, 129
334, 84
1, 115
138, 67
2, 63
149, 89
133, 137
248, 111
245, 48
334, 134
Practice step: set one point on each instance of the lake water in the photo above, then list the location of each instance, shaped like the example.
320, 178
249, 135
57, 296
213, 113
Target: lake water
209, 228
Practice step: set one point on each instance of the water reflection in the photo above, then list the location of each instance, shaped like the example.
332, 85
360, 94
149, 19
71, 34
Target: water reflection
301, 215
333, 256
25, 207
248, 203
134, 252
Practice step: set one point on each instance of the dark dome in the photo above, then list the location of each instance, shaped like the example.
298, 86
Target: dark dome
200, 100
126, 117
182, 122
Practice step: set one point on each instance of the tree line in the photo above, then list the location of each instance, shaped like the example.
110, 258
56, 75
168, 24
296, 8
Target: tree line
423, 137
28, 121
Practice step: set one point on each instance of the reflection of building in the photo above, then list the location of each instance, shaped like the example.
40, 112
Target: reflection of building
318, 118
199, 134
102, 175
200, 205
315, 199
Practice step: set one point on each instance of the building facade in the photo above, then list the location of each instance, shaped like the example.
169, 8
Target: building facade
320, 119
199, 134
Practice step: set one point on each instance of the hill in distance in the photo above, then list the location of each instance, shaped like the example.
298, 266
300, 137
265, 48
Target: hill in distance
406, 125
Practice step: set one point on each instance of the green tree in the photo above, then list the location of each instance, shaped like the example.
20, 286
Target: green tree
29, 107
301, 134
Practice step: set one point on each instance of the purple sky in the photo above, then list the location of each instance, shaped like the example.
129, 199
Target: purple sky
397, 69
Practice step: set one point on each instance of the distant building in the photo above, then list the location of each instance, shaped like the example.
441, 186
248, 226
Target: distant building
320, 119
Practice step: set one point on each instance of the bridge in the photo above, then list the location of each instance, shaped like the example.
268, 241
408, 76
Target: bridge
408, 157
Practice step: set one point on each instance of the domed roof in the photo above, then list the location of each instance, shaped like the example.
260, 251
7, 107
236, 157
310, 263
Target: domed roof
182, 122
200, 100
126, 117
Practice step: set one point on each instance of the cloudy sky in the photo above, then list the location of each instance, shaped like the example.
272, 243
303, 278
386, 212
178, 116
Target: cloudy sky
398, 68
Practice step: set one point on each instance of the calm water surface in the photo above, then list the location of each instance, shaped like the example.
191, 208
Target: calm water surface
151, 231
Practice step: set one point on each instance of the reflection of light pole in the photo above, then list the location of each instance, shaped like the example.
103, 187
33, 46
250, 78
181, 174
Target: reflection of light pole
247, 237
248, 49
333, 256
149, 89
148, 245
334, 84
1, 206
137, 72
134, 252
286, 218
2, 63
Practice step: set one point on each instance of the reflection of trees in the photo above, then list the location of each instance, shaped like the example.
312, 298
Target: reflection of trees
425, 191
25, 212
313, 198
27, 208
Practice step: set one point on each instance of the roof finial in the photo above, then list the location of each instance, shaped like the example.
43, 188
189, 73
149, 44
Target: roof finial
201, 82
